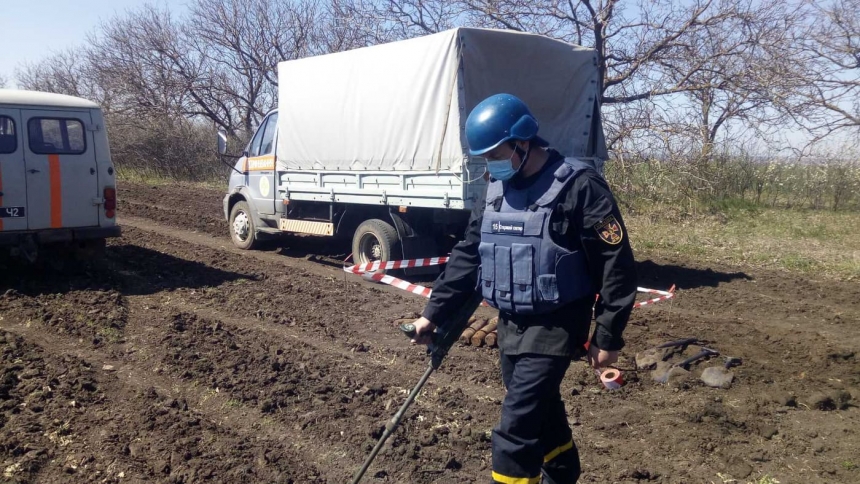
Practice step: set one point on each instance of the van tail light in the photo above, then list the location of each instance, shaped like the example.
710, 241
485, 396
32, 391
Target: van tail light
110, 202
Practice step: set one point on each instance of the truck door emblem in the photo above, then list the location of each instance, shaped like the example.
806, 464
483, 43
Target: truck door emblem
264, 186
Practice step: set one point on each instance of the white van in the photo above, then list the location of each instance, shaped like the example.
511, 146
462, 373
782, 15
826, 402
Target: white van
57, 181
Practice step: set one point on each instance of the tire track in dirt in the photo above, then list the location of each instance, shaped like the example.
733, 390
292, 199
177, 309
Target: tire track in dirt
142, 431
137, 374
162, 285
335, 275
347, 311
148, 279
403, 376
191, 358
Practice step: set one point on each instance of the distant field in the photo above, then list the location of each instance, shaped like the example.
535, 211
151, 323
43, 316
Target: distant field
814, 242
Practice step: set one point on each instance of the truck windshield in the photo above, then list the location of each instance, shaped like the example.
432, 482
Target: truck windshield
266, 147
262, 143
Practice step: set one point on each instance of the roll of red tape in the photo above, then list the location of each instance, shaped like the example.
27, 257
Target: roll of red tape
612, 379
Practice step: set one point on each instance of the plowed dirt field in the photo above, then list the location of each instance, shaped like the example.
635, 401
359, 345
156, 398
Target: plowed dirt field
177, 358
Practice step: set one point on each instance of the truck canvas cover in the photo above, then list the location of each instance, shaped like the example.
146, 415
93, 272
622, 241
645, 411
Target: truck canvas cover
402, 106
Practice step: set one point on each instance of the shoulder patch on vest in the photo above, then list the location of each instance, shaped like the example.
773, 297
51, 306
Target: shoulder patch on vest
609, 230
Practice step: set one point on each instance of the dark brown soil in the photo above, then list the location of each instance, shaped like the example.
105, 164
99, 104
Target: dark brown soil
177, 358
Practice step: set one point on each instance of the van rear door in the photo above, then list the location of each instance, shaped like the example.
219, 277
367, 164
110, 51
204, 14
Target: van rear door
62, 177
13, 182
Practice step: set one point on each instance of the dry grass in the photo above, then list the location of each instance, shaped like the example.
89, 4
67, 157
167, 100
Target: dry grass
134, 175
813, 242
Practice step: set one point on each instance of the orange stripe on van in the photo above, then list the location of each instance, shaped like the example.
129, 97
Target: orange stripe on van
56, 191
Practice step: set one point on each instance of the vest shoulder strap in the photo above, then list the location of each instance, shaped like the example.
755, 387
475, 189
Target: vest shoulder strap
564, 176
495, 190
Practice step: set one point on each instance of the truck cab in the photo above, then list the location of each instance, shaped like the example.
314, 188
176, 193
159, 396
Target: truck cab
57, 180
252, 181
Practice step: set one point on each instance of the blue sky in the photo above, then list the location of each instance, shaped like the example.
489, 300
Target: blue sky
35, 28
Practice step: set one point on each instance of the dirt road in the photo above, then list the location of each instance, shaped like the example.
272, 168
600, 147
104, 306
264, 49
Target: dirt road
178, 358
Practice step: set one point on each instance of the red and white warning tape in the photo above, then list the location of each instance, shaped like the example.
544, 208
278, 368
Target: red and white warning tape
397, 264
664, 295
368, 271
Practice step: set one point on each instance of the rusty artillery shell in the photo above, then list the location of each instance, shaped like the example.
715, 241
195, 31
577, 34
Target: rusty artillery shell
478, 337
492, 339
474, 325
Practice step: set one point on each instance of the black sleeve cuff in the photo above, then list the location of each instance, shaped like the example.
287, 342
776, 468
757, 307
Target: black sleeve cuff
605, 340
433, 314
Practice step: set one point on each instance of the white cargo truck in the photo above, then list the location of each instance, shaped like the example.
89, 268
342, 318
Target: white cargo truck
370, 143
57, 180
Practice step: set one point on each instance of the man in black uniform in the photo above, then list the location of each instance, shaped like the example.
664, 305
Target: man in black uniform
548, 238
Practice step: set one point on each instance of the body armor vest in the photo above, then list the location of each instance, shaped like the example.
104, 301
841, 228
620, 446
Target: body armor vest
523, 270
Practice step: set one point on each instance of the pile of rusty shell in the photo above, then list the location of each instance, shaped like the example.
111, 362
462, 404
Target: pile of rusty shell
478, 337
474, 325
492, 340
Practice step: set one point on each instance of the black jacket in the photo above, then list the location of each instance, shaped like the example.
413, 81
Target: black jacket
586, 217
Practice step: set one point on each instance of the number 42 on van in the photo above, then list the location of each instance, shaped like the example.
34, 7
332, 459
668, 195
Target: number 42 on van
11, 212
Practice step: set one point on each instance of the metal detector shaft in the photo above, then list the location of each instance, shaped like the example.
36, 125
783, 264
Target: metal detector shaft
442, 342
392, 424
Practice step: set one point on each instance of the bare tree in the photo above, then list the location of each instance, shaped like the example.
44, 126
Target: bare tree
245, 39
349, 24
2, 80
736, 65
65, 72
422, 17
828, 98
144, 58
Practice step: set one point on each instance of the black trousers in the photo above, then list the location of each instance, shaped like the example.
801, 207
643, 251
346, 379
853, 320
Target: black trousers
533, 434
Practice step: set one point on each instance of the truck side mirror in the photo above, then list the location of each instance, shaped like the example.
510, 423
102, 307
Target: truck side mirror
222, 142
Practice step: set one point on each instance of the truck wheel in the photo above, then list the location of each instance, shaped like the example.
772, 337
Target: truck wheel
375, 240
242, 230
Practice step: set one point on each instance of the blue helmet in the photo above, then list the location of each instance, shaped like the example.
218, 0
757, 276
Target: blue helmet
500, 118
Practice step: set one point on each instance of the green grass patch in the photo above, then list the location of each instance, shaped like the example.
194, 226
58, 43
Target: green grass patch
815, 242
233, 403
152, 177
112, 335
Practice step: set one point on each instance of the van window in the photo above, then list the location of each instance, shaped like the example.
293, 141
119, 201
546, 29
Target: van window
266, 147
8, 140
56, 136
262, 142
254, 148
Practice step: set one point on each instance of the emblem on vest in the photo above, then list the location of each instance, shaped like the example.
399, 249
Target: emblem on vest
510, 228
609, 230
